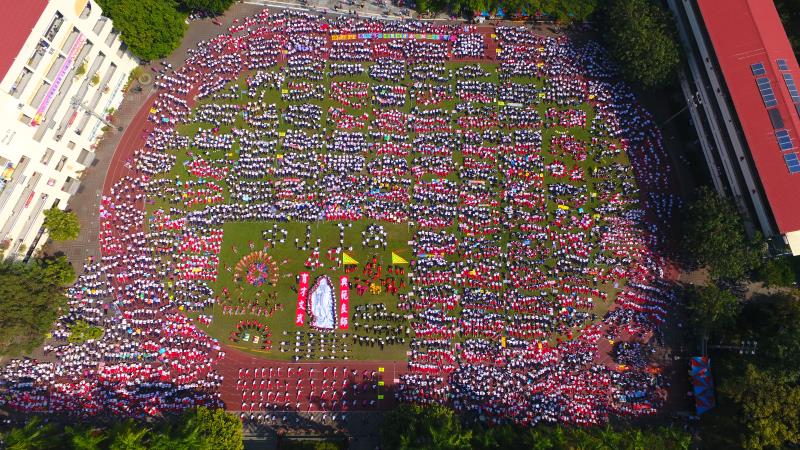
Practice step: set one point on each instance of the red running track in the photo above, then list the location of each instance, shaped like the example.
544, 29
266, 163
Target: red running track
255, 384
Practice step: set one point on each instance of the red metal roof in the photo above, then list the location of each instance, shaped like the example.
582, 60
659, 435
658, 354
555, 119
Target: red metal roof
17, 19
745, 32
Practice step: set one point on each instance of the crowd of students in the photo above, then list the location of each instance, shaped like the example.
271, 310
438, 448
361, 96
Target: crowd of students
501, 306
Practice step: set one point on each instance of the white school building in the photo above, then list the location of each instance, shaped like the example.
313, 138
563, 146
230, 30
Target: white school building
62, 71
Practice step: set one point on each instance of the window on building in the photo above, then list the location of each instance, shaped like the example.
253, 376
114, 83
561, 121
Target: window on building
21, 82
99, 25
38, 54
87, 10
48, 154
61, 163
85, 157
55, 25
112, 35
73, 36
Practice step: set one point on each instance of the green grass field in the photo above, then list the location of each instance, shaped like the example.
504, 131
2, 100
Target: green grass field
290, 259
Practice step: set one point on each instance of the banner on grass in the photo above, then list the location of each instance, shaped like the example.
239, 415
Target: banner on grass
344, 303
302, 297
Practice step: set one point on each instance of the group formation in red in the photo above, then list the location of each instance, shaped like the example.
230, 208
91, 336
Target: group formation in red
535, 188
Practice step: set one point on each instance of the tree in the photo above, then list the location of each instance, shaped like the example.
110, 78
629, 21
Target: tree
151, 28
56, 270
84, 438
430, 427
789, 11
711, 310
62, 225
219, 429
715, 237
209, 6
35, 435
81, 331
769, 406
776, 272
189, 431
774, 322
29, 304
325, 445
641, 36
128, 435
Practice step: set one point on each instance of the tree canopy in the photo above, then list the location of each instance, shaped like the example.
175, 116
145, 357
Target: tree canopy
437, 427
151, 28
758, 396
789, 11
641, 36
62, 225
562, 10
774, 320
711, 309
194, 429
769, 406
31, 296
778, 271
209, 6
715, 237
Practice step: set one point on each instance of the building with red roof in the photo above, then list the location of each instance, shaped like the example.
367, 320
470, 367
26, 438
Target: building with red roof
17, 20
742, 84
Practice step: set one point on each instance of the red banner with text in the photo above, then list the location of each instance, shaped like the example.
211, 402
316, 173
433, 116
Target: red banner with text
302, 296
344, 303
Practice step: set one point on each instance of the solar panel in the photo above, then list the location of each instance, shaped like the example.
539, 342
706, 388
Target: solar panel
792, 162
782, 64
758, 69
784, 140
792, 87
767, 94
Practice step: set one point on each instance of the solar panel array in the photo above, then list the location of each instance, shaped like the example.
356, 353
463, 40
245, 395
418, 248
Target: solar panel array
784, 140
767, 94
792, 87
787, 146
793, 162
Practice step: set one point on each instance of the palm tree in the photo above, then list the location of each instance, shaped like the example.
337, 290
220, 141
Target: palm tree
184, 436
33, 436
679, 439
637, 440
85, 438
128, 436
609, 438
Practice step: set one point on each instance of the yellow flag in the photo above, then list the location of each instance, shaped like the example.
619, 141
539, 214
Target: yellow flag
473, 272
397, 259
348, 260
503, 341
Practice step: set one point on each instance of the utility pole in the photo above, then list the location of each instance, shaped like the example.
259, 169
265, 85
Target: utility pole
692, 101
745, 348
76, 104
